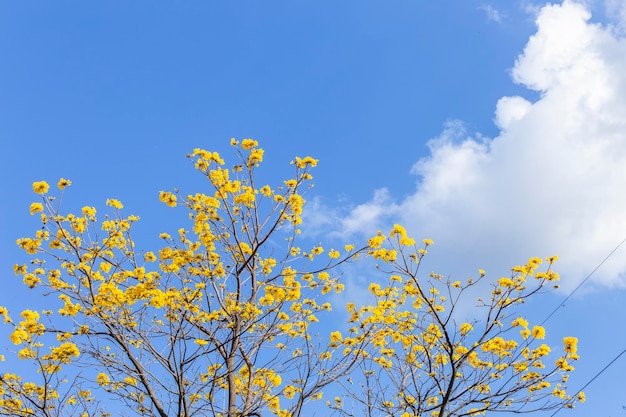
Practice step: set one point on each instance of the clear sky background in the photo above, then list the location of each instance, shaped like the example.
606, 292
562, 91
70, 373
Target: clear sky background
496, 128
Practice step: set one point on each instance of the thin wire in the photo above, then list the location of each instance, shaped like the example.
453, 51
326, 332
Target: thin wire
583, 281
592, 379
563, 304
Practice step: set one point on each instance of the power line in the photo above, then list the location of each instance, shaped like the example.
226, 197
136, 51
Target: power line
583, 281
563, 304
594, 377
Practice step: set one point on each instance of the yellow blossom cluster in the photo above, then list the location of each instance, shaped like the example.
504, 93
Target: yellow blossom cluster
222, 318
410, 324
217, 279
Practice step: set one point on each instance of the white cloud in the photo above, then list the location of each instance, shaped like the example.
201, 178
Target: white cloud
553, 180
616, 12
492, 13
510, 110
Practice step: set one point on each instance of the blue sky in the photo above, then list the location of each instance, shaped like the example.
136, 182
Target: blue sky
498, 129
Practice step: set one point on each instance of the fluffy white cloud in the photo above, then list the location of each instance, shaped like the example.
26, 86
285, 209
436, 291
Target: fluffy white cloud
553, 180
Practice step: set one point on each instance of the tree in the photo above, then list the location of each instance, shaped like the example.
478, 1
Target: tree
424, 362
233, 317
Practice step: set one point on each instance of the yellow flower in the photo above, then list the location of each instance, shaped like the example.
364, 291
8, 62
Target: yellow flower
570, 346
276, 380
19, 270
506, 282
397, 229
5, 313
18, 336
290, 391
335, 337
255, 157
562, 364
205, 158
519, 322
266, 191
333, 254
114, 203
29, 315
245, 248
130, 381
376, 242
543, 350
403, 238
29, 245
317, 250
432, 401
466, 328
168, 198
317, 396
69, 309
31, 280
267, 265
64, 352
40, 187
538, 332
89, 211
374, 288
63, 183
103, 379
307, 160
35, 208
248, 144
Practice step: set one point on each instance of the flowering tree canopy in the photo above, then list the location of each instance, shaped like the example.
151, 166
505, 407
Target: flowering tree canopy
232, 316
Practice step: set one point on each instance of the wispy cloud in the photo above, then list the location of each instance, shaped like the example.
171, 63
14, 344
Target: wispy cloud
492, 13
616, 12
552, 181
